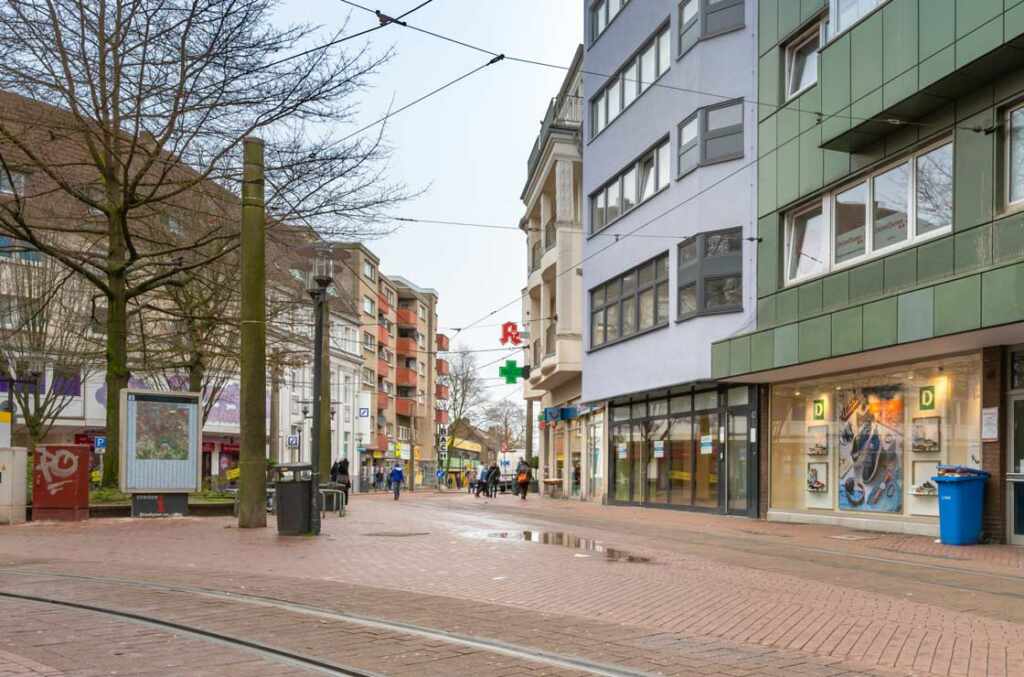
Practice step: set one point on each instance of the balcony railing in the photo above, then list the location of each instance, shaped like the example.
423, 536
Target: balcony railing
564, 113
441, 416
549, 339
405, 346
405, 406
383, 337
441, 392
550, 236
442, 342
442, 367
406, 317
382, 367
535, 254
405, 377
383, 401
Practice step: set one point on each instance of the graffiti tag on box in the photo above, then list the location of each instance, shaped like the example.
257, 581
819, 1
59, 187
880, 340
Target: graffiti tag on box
57, 467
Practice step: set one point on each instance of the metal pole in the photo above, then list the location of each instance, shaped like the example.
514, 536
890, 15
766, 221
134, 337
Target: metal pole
318, 344
252, 483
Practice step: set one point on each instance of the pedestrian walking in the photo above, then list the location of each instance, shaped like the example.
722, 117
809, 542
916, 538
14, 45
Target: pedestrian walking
396, 478
471, 480
523, 472
493, 477
481, 482
379, 479
334, 472
439, 475
343, 479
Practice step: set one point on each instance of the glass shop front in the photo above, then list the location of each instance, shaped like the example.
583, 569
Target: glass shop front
673, 450
866, 444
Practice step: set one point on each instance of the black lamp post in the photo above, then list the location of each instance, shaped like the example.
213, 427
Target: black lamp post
322, 276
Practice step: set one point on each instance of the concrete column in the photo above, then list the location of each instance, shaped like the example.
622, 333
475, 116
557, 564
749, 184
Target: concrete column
565, 196
545, 213
542, 459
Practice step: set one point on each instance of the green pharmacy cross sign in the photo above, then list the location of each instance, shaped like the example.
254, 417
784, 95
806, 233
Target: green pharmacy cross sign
512, 371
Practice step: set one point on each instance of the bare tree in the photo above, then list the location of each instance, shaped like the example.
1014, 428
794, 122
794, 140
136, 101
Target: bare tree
45, 333
466, 394
506, 421
119, 115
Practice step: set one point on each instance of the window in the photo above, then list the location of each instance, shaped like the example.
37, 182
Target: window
368, 271
368, 305
802, 61
369, 341
601, 14
423, 312
423, 369
651, 61
702, 19
846, 13
630, 304
1015, 156
637, 183
11, 182
9, 312
892, 208
710, 274
711, 135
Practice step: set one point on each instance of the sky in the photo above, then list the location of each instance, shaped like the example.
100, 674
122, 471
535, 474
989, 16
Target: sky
467, 147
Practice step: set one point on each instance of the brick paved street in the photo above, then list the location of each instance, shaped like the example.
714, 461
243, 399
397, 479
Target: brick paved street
650, 591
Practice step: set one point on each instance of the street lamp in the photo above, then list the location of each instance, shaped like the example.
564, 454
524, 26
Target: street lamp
321, 277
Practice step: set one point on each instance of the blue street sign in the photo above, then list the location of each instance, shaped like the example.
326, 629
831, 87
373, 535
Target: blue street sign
293, 441
364, 412
100, 443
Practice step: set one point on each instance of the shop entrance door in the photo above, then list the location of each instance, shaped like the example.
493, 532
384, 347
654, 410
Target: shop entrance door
1015, 470
707, 490
737, 454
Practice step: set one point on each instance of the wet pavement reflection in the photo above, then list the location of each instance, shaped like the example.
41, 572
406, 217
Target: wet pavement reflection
568, 540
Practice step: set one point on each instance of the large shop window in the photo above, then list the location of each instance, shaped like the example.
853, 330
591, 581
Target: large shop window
1015, 157
601, 14
710, 274
630, 304
629, 82
894, 208
711, 135
846, 13
702, 19
640, 181
870, 442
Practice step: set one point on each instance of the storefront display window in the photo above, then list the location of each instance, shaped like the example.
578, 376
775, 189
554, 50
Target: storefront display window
869, 442
620, 451
681, 454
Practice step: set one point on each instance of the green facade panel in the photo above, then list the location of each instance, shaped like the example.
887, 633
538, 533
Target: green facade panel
835, 76
768, 255
973, 157
1013, 22
958, 305
1008, 238
720, 359
812, 161
766, 312
815, 337
900, 271
916, 315
937, 66
769, 83
880, 327
937, 27
739, 355
978, 43
866, 56
973, 249
1002, 295
847, 331
835, 290
866, 281
767, 139
762, 351
767, 181
788, 171
809, 299
899, 19
935, 260
786, 306
786, 339
973, 14
767, 24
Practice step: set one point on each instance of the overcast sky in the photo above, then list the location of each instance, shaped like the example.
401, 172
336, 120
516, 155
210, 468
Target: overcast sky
467, 146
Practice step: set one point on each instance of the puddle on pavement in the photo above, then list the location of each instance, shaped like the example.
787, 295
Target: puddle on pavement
567, 540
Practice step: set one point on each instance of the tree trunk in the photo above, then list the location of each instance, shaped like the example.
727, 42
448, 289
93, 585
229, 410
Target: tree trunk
117, 368
252, 489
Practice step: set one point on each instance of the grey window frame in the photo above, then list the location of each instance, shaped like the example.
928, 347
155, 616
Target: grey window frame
704, 268
620, 177
631, 64
592, 22
706, 135
820, 27
634, 295
692, 33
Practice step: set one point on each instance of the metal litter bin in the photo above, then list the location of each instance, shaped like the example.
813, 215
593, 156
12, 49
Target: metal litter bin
293, 496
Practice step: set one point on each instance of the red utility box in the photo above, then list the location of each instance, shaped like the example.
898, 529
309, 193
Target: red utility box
60, 482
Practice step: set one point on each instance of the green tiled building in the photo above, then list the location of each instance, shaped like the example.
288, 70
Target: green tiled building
890, 259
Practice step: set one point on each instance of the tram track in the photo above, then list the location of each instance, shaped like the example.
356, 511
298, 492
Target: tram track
487, 645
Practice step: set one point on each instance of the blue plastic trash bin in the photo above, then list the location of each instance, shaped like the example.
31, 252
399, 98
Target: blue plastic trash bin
960, 503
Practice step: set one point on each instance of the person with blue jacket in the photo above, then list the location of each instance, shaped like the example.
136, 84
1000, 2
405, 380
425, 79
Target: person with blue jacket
396, 477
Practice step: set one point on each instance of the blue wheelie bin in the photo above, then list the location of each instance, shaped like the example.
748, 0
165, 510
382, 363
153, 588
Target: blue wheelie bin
961, 497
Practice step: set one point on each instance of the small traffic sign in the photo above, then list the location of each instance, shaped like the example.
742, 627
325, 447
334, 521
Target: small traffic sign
101, 442
364, 412
293, 441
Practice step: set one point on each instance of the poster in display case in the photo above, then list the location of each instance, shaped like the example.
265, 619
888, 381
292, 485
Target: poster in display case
161, 442
926, 435
817, 478
817, 440
871, 449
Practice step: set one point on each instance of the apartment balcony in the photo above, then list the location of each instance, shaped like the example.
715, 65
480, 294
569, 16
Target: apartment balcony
406, 346
405, 406
564, 117
441, 392
406, 317
536, 252
442, 367
383, 367
383, 337
406, 377
383, 307
442, 342
379, 442
561, 361
383, 401
441, 416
